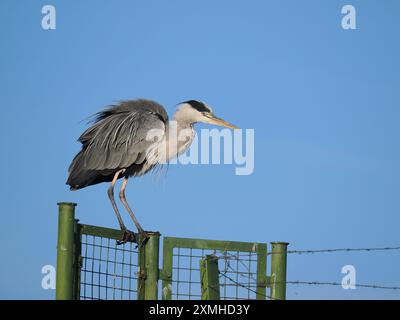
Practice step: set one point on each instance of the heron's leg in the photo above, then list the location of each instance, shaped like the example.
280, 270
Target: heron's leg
128, 235
123, 200
110, 193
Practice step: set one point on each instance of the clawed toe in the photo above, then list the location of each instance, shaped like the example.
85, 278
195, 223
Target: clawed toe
140, 238
144, 237
128, 236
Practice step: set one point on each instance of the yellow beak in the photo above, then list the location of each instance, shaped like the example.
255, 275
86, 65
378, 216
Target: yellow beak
220, 122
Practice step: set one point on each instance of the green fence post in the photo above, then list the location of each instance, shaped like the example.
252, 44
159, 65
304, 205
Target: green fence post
209, 278
166, 272
141, 281
278, 270
151, 265
65, 251
148, 268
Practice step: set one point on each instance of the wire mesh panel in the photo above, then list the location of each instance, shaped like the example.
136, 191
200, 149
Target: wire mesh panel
186, 273
241, 265
237, 273
108, 271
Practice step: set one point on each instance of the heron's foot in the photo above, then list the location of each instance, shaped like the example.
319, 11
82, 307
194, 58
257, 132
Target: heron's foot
127, 236
143, 238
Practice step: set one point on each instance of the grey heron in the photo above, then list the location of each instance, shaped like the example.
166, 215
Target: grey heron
117, 146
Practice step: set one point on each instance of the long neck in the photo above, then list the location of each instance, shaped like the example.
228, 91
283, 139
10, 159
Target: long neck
179, 136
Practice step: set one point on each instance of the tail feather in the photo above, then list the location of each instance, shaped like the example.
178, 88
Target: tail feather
80, 177
76, 178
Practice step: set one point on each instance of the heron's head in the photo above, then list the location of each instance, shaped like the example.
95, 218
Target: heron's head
193, 111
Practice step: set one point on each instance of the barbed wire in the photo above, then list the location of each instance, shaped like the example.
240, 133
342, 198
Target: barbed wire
252, 287
300, 282
327, 283
245, 286
335, 250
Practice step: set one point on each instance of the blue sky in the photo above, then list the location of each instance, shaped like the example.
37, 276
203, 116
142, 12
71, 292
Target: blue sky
323, 102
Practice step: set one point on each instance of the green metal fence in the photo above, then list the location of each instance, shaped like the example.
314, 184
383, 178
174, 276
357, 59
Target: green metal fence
90, 265
238, 263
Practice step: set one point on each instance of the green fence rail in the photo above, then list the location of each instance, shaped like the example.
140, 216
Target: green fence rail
90, 265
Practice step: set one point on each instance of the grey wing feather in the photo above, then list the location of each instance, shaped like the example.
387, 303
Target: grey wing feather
118, 137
